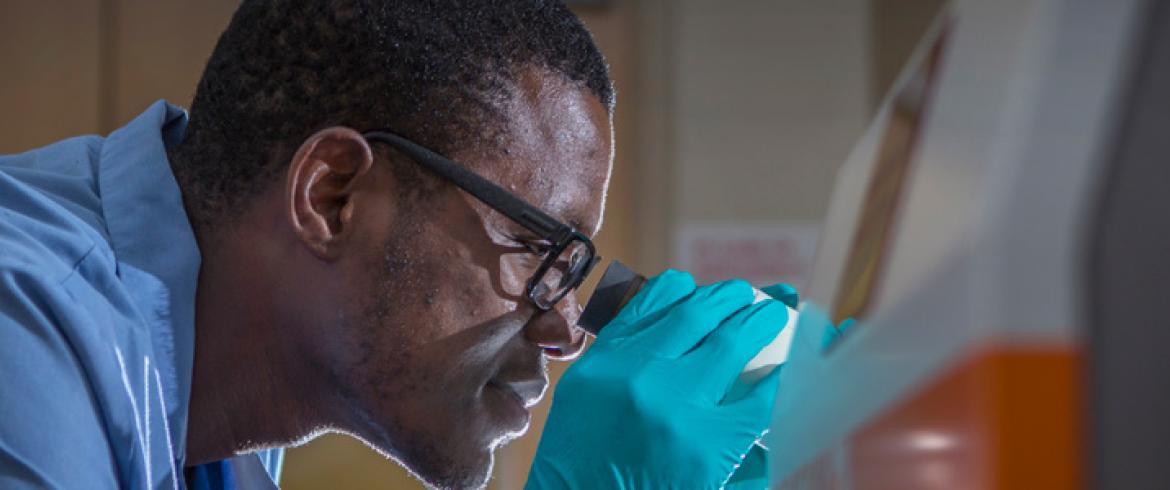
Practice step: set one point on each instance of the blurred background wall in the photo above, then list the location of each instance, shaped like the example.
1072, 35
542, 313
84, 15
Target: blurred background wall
732, 119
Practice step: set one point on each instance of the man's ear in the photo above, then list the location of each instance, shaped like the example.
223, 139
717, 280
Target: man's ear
321, 180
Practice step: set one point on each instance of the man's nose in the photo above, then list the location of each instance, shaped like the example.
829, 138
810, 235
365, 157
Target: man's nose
556, 331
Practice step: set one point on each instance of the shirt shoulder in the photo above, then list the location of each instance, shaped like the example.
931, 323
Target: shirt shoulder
96, 310
53, 404
78, 353
50, 210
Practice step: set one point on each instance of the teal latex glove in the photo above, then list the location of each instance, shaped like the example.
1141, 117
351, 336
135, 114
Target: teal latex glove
645, 407
753, 471
783, 293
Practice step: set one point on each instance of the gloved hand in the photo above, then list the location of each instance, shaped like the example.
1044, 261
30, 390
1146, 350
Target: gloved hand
645, 407
753, 471
783, 293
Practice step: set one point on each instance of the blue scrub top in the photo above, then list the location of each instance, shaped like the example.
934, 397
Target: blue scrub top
98, 267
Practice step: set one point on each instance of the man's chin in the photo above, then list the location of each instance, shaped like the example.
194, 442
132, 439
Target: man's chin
476, 471
507, 412
472, 475
509, 435
443, 466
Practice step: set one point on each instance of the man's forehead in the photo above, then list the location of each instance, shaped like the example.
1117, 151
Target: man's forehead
557, 149
577, 202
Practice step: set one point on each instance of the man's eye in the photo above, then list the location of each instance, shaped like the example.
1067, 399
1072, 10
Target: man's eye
533, 245
536, 248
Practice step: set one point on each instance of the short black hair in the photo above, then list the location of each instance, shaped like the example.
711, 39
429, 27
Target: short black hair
435, 71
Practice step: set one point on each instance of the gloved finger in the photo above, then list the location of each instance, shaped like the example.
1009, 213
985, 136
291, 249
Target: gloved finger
658, 294
752, 472
754, 410
694, 317
736, 341
783, 293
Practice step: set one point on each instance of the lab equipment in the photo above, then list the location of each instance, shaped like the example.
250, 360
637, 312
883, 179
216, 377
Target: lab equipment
1005, 322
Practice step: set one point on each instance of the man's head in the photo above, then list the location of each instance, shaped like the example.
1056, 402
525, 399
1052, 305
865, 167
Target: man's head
395, 299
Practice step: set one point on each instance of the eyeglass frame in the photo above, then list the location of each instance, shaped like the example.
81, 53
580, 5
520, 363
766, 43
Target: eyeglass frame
560, 235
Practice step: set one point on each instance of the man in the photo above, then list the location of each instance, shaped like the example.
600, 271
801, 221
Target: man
312, 250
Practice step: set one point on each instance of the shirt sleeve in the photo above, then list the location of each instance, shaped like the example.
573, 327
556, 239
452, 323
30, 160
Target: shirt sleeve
51, 429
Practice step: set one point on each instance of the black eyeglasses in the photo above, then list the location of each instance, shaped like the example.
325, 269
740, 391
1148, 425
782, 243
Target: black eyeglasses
569, 255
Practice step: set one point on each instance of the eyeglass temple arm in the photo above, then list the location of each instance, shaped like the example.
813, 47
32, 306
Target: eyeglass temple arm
527, 215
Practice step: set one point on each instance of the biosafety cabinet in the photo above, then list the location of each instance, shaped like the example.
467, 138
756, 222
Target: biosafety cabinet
1001, 235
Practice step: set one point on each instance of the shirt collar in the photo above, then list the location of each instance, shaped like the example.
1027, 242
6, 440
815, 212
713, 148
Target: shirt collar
149, 231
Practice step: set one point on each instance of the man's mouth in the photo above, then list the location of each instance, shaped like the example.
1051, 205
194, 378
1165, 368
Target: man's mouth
511, 400
527, 392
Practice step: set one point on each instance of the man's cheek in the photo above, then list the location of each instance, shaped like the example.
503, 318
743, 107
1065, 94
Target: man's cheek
515, 269
478, 294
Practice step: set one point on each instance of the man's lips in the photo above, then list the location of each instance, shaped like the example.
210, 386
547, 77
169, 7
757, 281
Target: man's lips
527, 391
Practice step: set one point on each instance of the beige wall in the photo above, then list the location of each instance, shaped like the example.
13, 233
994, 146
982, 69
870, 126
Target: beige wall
895, 27
50, 72
749, 107
769, 97
88, 66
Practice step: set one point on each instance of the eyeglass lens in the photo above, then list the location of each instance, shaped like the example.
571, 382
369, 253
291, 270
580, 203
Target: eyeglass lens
563, 274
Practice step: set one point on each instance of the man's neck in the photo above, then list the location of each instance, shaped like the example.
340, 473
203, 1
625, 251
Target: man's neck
241, 395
